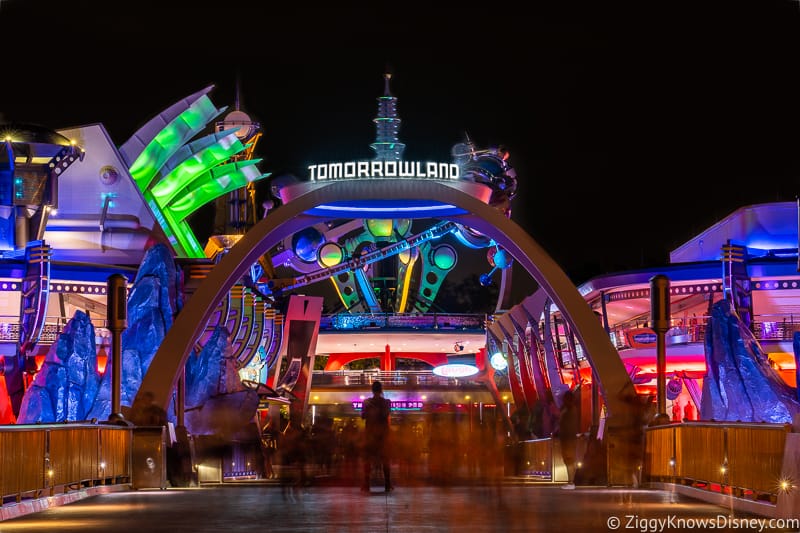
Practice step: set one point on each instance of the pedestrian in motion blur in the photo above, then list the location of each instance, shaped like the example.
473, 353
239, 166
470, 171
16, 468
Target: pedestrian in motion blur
376, 412
568, 427
269, 446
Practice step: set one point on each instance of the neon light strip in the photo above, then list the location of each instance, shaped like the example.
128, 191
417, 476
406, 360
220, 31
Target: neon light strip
407, 283
386, 209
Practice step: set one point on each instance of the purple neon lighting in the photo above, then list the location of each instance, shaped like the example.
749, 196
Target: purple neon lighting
351, 208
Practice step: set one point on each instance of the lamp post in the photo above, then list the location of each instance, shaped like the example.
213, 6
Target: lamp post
117, 306
659, 315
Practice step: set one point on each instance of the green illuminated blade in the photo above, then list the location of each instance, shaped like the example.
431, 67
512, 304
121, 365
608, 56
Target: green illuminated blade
226, 179
184, 153
196, 165
170, 139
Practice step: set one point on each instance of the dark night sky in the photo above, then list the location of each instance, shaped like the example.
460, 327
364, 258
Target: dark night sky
632, 126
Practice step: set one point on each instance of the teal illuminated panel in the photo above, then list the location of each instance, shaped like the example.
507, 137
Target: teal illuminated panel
162, 221
444, 257
188, 240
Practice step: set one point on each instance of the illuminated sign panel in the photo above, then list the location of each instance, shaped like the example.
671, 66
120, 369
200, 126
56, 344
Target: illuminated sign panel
384, 169
455, 370
403, 405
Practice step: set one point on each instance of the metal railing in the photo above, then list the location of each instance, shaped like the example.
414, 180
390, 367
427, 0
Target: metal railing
764, 328
731, 458
41, 460
395, 378
402, 321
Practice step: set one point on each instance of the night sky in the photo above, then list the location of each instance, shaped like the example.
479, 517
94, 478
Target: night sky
632, 126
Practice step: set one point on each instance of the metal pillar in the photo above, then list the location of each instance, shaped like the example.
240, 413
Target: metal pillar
117, 296
660, 314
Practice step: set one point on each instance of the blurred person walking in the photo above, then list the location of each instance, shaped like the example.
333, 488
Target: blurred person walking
269, 446
568, 427
293, 448
376, 412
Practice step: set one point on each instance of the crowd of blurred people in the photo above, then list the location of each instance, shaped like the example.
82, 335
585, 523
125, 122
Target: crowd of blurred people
437, 448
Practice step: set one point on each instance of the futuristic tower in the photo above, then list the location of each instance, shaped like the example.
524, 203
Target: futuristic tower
391, 265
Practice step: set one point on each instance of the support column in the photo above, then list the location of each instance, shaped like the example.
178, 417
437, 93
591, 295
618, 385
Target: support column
117, 294
659, 316
387, 360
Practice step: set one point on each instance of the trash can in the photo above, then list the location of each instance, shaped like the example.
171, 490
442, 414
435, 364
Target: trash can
149, 458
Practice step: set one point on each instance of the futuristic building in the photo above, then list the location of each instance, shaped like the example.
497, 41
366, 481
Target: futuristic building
383, 237
78, 209
748, 259
104, 213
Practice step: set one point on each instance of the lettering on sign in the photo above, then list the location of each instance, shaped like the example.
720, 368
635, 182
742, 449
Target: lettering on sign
384, 169
396, 404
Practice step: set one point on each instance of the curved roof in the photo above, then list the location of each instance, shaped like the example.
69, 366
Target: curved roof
31, 134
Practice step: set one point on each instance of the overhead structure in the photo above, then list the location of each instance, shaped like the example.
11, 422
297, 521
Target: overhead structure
177, 176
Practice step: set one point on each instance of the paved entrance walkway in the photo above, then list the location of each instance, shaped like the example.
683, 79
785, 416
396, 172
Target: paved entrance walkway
267, 508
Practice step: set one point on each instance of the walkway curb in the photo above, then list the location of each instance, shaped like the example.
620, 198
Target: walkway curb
35, 505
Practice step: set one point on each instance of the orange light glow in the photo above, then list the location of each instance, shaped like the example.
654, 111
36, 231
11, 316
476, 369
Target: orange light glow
102, 360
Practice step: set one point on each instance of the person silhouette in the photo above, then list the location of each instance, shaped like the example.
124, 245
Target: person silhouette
568, 427
376, 412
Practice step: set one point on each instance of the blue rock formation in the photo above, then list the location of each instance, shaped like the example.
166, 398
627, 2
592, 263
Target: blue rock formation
68, 387
216, 401
68, 381
741, 385
153, 302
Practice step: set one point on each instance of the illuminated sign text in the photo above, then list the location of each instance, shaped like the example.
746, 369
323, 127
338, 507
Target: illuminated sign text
396, 404
384, 169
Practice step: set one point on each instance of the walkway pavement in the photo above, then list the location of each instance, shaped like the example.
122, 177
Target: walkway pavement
507, 507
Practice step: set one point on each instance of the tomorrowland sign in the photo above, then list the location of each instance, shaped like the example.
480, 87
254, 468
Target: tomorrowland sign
384, 169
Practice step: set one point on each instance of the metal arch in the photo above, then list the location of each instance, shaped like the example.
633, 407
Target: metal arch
615, 384
165, 368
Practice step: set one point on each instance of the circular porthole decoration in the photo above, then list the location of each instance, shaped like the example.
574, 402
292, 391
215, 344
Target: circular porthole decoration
330, 254
444, 257
380, 228
109, 175
305, 244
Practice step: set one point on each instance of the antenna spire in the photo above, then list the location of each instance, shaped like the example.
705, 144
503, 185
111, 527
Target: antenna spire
238, 92
387, 76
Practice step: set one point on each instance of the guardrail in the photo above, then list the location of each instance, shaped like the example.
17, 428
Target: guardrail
764, 327
394, 378
403, 321
740, 459
43, 460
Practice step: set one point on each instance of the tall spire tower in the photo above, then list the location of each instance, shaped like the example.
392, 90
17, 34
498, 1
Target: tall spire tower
387, 145
236, 212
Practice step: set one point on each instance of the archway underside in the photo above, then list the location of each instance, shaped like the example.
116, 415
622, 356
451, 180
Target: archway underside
165, 368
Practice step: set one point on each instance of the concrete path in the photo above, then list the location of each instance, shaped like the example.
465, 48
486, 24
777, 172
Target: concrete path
269, 508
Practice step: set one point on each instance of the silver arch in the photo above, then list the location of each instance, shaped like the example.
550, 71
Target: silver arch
165, 368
